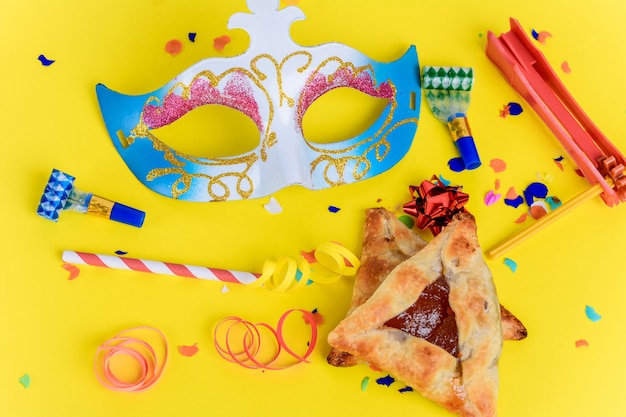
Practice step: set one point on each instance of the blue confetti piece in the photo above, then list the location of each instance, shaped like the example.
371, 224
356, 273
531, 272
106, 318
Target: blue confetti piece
120, 252
511, 264
592, 314
559, 159
405, 389
444, 181
516, 202
192, 36
456, 164
535, 190
333, 209
535, 34
386, 380
45, 61
515, 109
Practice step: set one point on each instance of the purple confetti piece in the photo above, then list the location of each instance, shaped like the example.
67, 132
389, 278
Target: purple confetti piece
333, 209
45, 61
456, 164
516, 202
535, 190
386, 380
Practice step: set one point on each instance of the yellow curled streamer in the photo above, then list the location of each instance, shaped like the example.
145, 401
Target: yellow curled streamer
332, 261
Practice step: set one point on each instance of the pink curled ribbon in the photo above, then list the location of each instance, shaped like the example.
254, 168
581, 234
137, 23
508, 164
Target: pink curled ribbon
434, 204
149, 358
239, 341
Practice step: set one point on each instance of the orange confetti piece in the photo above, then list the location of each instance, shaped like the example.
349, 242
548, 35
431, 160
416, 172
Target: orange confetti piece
522, 218
538, 210
188, 350
498, 165
581, 343
497, 184
174, 47
221, 42
72, 269
511, 194
565, 67
543, 36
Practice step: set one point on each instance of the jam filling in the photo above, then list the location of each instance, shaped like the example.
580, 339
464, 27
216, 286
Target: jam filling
431, 318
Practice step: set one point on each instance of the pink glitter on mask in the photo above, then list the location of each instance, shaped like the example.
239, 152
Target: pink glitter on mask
237, 94
320, 83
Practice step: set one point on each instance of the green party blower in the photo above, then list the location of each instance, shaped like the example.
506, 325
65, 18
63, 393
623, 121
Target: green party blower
447, 92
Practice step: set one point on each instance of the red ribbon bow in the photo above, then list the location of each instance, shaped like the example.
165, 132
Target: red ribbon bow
435, 204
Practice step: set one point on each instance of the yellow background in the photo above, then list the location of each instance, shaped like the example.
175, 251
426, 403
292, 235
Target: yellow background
50, 326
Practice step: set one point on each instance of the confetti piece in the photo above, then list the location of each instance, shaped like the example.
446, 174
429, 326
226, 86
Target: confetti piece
498, 165
25, 380
149, 358
514, 202
592, 314
121, 252
491, 198
221, 42
535, 190
364, 382
333, 209
515, 109
385, 380
538, 209
189, 350
444, 181
511, 194
72, 269
407, 220
522, 218
309, 256
405, 389
45, 61
511, 264
192, 36
496, 184
248, 337
273, 206
225, 289
553, 202
319, 319
541, 36
565, 67
558, 164
581, 343
174, 47
456, 164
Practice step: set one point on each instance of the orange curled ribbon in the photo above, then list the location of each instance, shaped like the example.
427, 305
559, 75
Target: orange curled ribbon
239, 341
149, 359
332, 261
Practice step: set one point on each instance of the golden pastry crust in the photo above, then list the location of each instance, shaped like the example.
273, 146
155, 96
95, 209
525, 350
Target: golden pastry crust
466, 385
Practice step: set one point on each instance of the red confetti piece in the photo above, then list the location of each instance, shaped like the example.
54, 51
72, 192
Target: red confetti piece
221, 42
249, 337
174, 47
522, 218
188, 350
309, 256
565, 67
581, 343
72, 269
498, 165
319, 319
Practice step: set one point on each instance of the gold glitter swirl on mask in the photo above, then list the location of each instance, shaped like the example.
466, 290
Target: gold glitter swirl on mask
279, 71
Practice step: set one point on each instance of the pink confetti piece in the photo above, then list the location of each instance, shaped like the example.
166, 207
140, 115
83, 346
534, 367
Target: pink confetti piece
72, 269
498, 165
491, 198
220, 43
582, 343
188, 350
174, 47
565, 67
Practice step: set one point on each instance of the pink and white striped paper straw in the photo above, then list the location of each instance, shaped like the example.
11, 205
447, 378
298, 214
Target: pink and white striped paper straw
157, 267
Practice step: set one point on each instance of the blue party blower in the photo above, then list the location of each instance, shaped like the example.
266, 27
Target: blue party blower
61, 194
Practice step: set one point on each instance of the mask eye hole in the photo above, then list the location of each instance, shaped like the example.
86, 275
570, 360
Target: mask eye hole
211, 131
340, 114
